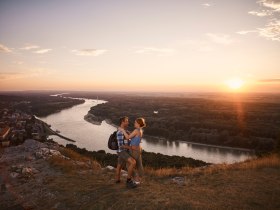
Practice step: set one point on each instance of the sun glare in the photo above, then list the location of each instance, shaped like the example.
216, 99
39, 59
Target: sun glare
235, 83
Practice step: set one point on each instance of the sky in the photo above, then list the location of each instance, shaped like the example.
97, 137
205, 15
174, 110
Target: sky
145, 45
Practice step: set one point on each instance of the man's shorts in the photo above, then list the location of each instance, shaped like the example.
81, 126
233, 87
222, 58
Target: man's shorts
123, 156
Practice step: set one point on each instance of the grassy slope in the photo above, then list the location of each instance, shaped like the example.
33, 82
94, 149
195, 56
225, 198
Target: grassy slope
250, 185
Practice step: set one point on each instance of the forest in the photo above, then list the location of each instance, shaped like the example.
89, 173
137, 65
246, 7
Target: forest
252, 124
40, 104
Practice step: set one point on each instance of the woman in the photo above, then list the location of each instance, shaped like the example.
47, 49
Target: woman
135, 149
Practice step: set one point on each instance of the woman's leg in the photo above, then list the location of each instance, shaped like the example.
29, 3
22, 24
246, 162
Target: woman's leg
139, 166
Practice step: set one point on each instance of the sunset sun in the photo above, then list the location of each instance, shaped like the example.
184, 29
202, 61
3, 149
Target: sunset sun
235, 83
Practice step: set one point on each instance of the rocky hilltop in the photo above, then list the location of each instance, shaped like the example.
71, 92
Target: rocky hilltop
45, 175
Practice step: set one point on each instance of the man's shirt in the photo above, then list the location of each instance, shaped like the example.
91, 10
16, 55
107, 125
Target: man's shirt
121, 141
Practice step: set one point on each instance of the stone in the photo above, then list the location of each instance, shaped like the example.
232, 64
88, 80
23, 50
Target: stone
81, 164
124, 174
14, 174
26, 170
39, 154
14, 168
17, 168
35, 171
45, 151
29, 158
179, 180
54, 152
33, 144
110, 167
123, 171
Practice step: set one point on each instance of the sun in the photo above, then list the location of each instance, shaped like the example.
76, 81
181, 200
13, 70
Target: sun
235, 83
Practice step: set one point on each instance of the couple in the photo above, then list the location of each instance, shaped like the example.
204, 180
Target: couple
129, 151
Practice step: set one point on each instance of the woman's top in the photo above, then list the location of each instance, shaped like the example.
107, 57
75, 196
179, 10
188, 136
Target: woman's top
136, 140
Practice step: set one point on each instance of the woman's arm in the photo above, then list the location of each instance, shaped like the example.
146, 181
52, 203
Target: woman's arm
129, 136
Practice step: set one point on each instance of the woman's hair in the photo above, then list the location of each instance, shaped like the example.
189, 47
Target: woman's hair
141, 122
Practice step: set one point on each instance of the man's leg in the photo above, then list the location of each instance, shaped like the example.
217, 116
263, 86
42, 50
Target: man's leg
120, 165
118, 173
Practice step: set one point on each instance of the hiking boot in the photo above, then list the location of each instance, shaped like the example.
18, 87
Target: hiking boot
131, 184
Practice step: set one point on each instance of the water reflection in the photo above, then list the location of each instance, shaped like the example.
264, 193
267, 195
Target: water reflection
70, 122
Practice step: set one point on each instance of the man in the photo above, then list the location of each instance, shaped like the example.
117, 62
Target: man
123, 156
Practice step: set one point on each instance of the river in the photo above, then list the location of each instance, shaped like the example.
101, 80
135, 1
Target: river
70, 122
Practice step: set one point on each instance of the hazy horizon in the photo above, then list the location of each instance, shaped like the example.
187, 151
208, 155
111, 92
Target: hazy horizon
140, 46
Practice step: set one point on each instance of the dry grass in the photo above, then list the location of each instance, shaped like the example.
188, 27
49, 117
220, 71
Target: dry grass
252, 184
272, 161
72, 154
74, 163
166, 172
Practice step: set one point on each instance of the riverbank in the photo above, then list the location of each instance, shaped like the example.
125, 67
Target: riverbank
92, 119
150, 159
97, 121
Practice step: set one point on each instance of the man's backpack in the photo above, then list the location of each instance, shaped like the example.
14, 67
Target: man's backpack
113, 141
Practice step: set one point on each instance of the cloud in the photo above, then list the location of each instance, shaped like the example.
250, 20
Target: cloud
271, 31
89, 52
262, 13
269, 80
25, 73
246, 32
10, 75
4, 49
206, 5
273, 4
42, 51
198, 45
29, 47
220, 38
18, 62
156, 51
